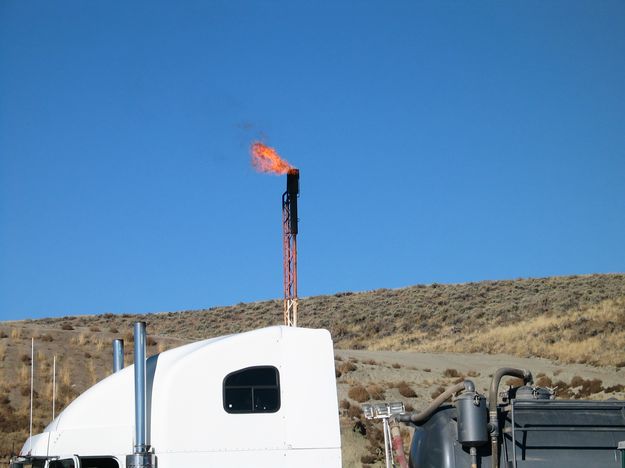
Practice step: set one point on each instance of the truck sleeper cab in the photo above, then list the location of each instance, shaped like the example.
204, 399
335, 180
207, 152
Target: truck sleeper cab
264, 398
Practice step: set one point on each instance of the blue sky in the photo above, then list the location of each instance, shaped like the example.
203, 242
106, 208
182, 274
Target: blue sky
437, 142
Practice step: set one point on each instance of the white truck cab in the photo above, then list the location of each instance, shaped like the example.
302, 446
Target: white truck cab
264, 398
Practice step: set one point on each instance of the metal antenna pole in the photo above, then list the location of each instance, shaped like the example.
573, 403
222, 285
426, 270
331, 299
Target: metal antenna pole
53, 386
32, 375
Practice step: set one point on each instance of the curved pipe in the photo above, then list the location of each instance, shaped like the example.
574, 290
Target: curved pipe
492, 406
418, 418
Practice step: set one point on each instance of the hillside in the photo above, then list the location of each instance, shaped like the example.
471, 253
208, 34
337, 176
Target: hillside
569, 320
488, 316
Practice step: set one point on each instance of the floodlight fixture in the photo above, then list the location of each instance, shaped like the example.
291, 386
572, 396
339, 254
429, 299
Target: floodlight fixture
383, 410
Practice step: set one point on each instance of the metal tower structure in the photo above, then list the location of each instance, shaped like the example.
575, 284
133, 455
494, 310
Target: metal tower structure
289, 244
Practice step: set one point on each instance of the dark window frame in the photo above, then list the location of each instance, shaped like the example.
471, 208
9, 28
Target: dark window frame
252, 387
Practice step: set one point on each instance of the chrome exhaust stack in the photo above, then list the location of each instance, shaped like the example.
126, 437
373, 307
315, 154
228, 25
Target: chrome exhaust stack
118, 355
141, 457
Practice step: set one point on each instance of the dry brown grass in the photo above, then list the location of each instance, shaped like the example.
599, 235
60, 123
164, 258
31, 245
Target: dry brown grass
419, 314
102, 344
65, 375
346, 367
24, 375
358, 393
80, 340
574, 337
92, 372
406, 390
375, 391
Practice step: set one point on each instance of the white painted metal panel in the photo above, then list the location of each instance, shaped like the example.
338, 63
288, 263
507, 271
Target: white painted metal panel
188, 425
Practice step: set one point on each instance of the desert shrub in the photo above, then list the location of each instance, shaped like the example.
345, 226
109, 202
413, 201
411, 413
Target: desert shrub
544, 381
590, 387
354, 411
563, 390
371, 362
113, 330
337, 373
368, 459
451, 373
409, 408
427, 369
344, 404
46, 338
25, 358
67, 326
577, 381
614, 388
346, 367
375, 436
376, 392
515, 382
473, 373
3, 334
13, 422
358, 393
149, 341
406, 390
94, 329
396, 365
4, 400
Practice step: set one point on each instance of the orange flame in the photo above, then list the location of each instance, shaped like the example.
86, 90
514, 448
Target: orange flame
266, 159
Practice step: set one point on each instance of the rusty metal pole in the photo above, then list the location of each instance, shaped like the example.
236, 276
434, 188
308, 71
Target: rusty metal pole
289, 243
295, 296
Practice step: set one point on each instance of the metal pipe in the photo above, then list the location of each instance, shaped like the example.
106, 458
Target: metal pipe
492, 406
418, 418
141, 444
141, 458
118, 355
473, 452
388, 448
